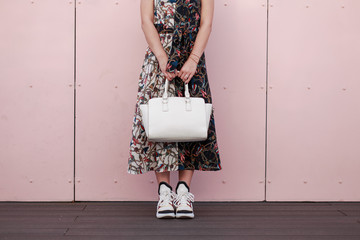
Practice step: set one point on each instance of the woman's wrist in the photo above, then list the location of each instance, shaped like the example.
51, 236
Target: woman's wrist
162, 56
194, 57
194, 60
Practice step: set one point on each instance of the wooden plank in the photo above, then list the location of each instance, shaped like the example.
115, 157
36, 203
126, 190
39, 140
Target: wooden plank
204, 203
36, 218
149, 237
45, 231
352, 212
206, 220
177, 225
199, 212
236, 207
344, 231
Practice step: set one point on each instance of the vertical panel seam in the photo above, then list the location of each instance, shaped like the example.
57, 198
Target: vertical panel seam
266, 94
74, 157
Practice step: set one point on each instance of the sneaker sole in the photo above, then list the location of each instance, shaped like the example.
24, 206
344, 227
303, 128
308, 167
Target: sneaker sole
165, 215
184, 215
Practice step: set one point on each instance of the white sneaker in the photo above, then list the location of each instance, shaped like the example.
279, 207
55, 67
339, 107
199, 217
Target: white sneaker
184, 201
165, 206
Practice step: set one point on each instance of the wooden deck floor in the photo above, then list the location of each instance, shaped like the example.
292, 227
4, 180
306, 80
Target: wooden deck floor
213, 220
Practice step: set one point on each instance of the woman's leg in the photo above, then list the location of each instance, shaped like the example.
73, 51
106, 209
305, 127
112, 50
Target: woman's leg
163, 177
186, 176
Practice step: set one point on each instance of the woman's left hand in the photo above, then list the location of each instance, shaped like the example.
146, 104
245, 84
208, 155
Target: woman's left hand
187, 71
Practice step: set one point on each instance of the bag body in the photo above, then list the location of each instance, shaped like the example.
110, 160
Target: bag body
176, 119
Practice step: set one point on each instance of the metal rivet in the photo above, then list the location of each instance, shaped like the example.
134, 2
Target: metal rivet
151, 181
223, 181
79, 85
69, 181
305, 182
340, 182
116, 86
30, 181
344, 89
30, 86
269, 181
308, 88
225, 4
115, 181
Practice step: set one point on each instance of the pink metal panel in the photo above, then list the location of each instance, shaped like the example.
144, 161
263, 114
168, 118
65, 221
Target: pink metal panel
110, 48
236, 62
36, 100
314, 104
110, 51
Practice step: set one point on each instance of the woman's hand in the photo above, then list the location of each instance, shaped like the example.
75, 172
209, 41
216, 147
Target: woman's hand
163, 67
187, 71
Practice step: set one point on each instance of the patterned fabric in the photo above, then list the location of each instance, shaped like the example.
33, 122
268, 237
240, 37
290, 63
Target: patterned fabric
177, 22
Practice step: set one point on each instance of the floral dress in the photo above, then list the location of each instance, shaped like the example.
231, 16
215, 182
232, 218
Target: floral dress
177, 22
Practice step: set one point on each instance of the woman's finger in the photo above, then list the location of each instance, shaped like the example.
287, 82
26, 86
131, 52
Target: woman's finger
183, 75
168, 76
187, 76
166, 73
180, 73
171, 76
188, 80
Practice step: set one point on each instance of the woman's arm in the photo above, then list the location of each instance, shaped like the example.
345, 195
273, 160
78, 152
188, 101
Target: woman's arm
152, 36
207, 13
190, 66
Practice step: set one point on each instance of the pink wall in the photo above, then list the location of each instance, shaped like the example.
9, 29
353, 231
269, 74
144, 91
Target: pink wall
313, 101
36, 100
302, 135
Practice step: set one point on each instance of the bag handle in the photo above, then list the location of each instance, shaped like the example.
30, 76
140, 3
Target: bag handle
165, 107
165, 95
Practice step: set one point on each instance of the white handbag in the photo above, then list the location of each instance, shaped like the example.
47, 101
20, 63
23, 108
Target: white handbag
176, 119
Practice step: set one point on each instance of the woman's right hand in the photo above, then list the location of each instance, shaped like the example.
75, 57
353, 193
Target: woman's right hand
163, 60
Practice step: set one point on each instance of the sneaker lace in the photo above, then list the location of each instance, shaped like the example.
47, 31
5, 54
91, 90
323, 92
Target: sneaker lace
183, 198
167, 198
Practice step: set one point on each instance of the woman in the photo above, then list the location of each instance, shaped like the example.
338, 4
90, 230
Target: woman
177, 32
